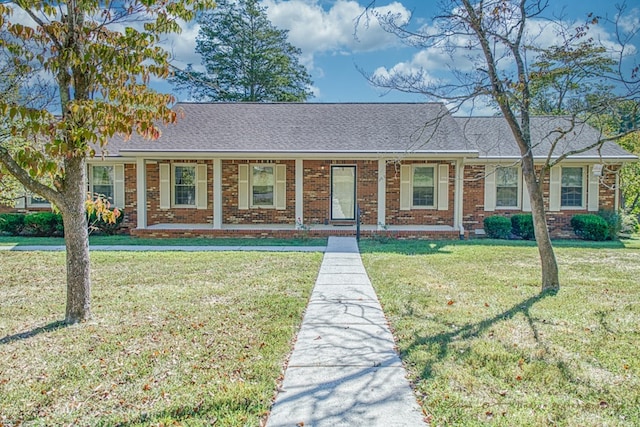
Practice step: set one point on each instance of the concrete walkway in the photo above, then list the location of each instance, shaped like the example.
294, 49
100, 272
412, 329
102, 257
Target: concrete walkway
344, 370
151, 248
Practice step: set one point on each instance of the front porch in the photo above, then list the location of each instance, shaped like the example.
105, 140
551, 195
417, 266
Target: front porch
436, 232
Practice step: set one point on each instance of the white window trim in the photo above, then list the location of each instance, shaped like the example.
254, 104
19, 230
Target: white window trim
583, 202
173, 185
273, 201
28, 196
91, 183
433, 166
518, 205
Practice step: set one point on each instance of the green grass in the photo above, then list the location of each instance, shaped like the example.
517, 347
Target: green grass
177, 339
137, 241
483, 347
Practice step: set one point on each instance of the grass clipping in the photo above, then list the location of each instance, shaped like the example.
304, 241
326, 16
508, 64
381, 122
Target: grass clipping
195, 338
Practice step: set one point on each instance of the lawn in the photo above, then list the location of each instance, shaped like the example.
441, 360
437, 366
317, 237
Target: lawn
177, 338
484, 347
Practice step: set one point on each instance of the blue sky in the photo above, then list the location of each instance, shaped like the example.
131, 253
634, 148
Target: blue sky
324, 30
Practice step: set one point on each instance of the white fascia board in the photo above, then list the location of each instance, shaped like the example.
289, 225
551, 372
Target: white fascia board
541, 160
283, 155
110, 160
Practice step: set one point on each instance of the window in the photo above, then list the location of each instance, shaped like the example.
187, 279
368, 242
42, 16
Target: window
102, 181
571, 188
184, 185
423, 186
35, 201
507, 187
262, 185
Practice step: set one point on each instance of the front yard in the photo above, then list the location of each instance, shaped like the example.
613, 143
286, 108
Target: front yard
200, 338
195, 338
483, 347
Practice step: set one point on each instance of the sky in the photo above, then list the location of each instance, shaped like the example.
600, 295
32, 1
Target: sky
324, 31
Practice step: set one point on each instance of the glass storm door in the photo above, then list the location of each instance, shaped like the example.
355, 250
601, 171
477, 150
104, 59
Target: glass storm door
343, 193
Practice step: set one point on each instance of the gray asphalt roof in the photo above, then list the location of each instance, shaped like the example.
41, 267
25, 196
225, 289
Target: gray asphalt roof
492, 138
339, 128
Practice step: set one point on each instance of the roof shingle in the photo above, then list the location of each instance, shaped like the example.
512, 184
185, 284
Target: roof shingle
417, 128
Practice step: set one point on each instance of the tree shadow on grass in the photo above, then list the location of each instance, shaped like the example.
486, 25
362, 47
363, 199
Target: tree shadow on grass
442, 341
53, 326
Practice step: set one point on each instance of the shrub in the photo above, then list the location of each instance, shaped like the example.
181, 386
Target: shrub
630, 224
497, 227
11, 223
43, 224
614, 222
590, 227
103, 226
522, 225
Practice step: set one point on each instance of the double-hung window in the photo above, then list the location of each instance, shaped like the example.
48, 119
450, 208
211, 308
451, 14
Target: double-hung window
507, 187
184, 185
572, 187
102, 181
423, 186
262, 185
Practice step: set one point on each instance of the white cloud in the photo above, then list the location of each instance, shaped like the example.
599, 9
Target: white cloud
315, 29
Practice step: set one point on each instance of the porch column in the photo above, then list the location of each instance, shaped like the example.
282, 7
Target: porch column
458, 204
141, 192
299, 191
382, 193
217, 194
616, 196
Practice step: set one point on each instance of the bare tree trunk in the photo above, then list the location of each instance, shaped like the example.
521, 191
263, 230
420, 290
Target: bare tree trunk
77, 242
550, 278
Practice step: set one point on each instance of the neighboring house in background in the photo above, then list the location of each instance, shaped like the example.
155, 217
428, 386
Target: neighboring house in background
261, 169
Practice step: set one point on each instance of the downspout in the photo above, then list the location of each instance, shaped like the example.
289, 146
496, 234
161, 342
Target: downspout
459, 199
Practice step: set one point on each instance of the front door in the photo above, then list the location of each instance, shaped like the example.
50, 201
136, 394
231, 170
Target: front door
343, 193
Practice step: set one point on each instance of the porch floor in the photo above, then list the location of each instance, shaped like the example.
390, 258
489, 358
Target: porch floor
436, 232
291, 227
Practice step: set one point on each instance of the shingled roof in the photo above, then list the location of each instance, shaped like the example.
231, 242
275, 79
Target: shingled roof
345, 128
492, 138
305, 128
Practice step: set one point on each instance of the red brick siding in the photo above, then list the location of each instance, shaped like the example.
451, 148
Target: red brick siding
558, 222
230, 212
395, 216
317, 190
155, 215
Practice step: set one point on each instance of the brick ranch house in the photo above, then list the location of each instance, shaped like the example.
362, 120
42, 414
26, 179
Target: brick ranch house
412, 170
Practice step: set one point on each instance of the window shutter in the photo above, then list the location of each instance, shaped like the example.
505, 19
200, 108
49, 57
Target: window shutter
489, 188
281, 187
243, 186
20, 201
118, 186
526, 199
594, 191
165, 186
443, 187
555, 180
405, 187
201, 186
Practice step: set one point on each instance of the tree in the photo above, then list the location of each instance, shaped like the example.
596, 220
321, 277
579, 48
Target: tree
246, 58
100, 68
495, 39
